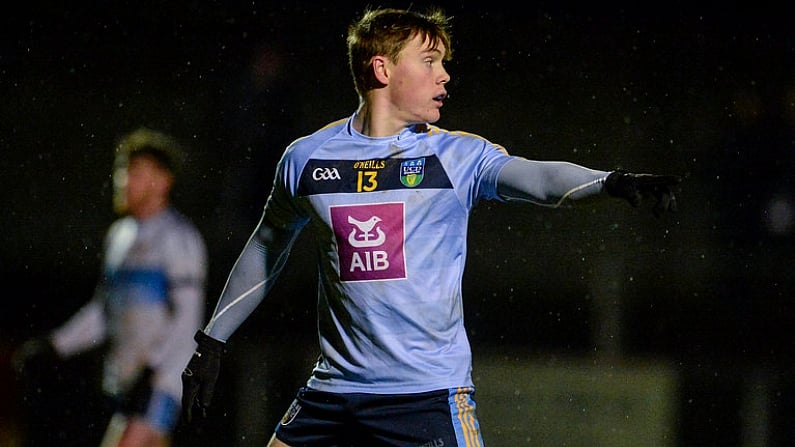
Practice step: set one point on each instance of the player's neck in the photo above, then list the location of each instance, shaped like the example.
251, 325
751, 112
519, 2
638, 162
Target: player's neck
149, 209
376, 121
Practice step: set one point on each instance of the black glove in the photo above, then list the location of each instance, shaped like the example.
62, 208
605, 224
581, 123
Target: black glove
34, 364
637, 187
199, 377
34, 358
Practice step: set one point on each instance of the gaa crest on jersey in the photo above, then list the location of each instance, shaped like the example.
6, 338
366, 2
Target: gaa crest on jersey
370, 241
412, 172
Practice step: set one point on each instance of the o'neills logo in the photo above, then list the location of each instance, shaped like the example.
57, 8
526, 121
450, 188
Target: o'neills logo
412, 172
370, 241
369, 164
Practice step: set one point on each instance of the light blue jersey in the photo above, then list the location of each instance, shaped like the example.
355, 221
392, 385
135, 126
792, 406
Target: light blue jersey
390, 222
389, 219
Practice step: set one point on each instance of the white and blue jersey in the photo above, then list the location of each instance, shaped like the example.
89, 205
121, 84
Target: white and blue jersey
389, 219
147, 306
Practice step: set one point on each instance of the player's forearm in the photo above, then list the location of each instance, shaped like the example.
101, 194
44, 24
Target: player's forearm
83, 331
549, 183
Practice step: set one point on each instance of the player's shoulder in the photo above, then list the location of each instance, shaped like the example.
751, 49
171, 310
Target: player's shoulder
122, 227
459, 136
182, 245
318, 137
182, 228
435, 131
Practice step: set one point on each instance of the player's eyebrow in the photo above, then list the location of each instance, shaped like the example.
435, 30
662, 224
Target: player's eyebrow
432, 51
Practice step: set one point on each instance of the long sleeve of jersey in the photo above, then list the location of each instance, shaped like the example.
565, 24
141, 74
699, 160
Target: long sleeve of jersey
252, 276
187, 270
85, 330
548, 183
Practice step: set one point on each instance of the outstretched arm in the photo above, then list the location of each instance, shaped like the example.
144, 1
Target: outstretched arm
548, 183
553, 183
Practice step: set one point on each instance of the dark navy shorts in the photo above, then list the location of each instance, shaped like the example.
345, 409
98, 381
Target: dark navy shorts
444, 418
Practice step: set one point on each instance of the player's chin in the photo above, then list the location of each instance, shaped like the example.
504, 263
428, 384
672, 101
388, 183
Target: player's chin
432, 115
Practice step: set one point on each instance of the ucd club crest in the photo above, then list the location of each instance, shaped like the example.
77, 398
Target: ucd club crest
412, 172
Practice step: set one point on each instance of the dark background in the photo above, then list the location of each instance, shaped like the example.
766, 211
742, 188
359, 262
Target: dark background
707, 93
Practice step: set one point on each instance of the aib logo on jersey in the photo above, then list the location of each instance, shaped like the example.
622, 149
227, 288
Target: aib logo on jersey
370, 241
412, 172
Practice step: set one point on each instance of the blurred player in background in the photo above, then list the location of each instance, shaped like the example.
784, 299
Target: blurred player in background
149, 301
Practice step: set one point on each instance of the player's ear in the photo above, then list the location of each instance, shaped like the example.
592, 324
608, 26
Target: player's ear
380, 69
168, 183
